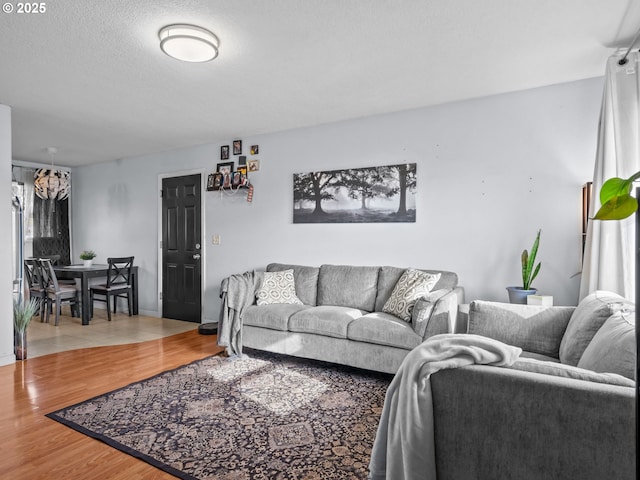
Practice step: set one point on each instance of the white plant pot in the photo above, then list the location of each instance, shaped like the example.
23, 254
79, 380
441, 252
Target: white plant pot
88, 263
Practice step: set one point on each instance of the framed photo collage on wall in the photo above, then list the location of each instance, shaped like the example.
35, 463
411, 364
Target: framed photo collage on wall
226, 177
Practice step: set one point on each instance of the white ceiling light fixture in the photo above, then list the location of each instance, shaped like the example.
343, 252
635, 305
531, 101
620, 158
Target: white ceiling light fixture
51, 184
188, 43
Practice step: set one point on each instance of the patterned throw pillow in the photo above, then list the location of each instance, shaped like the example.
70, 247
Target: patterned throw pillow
278, 287
412, 285
423, 309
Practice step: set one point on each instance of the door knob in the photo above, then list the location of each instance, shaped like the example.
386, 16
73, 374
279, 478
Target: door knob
196, 256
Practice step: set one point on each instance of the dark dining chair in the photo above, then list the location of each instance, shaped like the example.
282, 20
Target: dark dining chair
55, 260
56, 293
118, 285
33, 276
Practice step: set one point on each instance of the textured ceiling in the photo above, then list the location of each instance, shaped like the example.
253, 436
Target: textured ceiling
89, 77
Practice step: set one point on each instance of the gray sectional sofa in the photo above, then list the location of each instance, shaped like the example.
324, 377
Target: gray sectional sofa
564, 410
339, 318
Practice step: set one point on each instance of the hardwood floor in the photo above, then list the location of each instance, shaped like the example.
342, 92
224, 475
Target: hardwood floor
35, 447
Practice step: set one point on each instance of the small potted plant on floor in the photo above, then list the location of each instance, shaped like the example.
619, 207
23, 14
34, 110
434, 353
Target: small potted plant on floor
87, 256
529, 273
23, 312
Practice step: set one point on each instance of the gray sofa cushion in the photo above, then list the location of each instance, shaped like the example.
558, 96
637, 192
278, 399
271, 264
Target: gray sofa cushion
588, 317
306, 279
389, 276
533, 328
613, 348
383, 329
325, 320
348, 286
275, 316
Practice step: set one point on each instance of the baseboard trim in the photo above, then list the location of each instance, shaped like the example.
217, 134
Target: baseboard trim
7, 359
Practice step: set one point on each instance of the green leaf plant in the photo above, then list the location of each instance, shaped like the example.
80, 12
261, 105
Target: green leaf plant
23, 312
615, 197
529, 273
87, 255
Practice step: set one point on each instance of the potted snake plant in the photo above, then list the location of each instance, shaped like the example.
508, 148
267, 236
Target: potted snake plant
529, 272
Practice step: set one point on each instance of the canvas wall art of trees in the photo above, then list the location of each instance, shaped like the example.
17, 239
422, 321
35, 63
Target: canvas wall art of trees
357, 195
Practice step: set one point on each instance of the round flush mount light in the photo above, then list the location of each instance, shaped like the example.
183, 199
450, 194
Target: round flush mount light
188, 43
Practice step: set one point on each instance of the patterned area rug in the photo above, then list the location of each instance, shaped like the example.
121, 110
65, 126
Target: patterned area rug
264, 417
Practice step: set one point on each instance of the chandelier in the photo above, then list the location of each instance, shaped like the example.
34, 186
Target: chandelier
51, 184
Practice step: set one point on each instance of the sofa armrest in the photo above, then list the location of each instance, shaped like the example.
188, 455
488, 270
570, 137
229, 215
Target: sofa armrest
493, 422
445, 310
533, 328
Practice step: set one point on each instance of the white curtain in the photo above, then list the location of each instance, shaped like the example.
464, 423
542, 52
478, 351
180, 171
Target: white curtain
609, 261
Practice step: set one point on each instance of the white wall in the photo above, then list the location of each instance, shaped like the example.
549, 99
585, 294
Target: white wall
6, 251
491, 172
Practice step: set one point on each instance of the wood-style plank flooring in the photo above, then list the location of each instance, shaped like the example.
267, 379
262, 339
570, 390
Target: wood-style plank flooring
35, 447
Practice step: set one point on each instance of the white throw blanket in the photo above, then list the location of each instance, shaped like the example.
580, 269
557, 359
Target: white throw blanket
237, 293
404, 446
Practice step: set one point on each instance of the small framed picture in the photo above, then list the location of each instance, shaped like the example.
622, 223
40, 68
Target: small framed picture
225, 167
216, 181
254, 150
210, 181
242, 160
237, 147
254, 165
243, 175
226, 180
224, 152
236, 179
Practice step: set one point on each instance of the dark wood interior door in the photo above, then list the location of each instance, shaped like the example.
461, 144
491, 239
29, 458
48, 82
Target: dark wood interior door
181, 248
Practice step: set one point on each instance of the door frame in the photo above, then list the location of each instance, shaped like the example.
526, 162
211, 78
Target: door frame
203, 271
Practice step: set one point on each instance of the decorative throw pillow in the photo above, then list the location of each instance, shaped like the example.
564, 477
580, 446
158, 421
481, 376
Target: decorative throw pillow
613, 348
587, 318
421, 314
533, 328
412, 285
277, 287
423, 309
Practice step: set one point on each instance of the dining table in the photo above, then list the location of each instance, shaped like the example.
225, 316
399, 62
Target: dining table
85, 274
